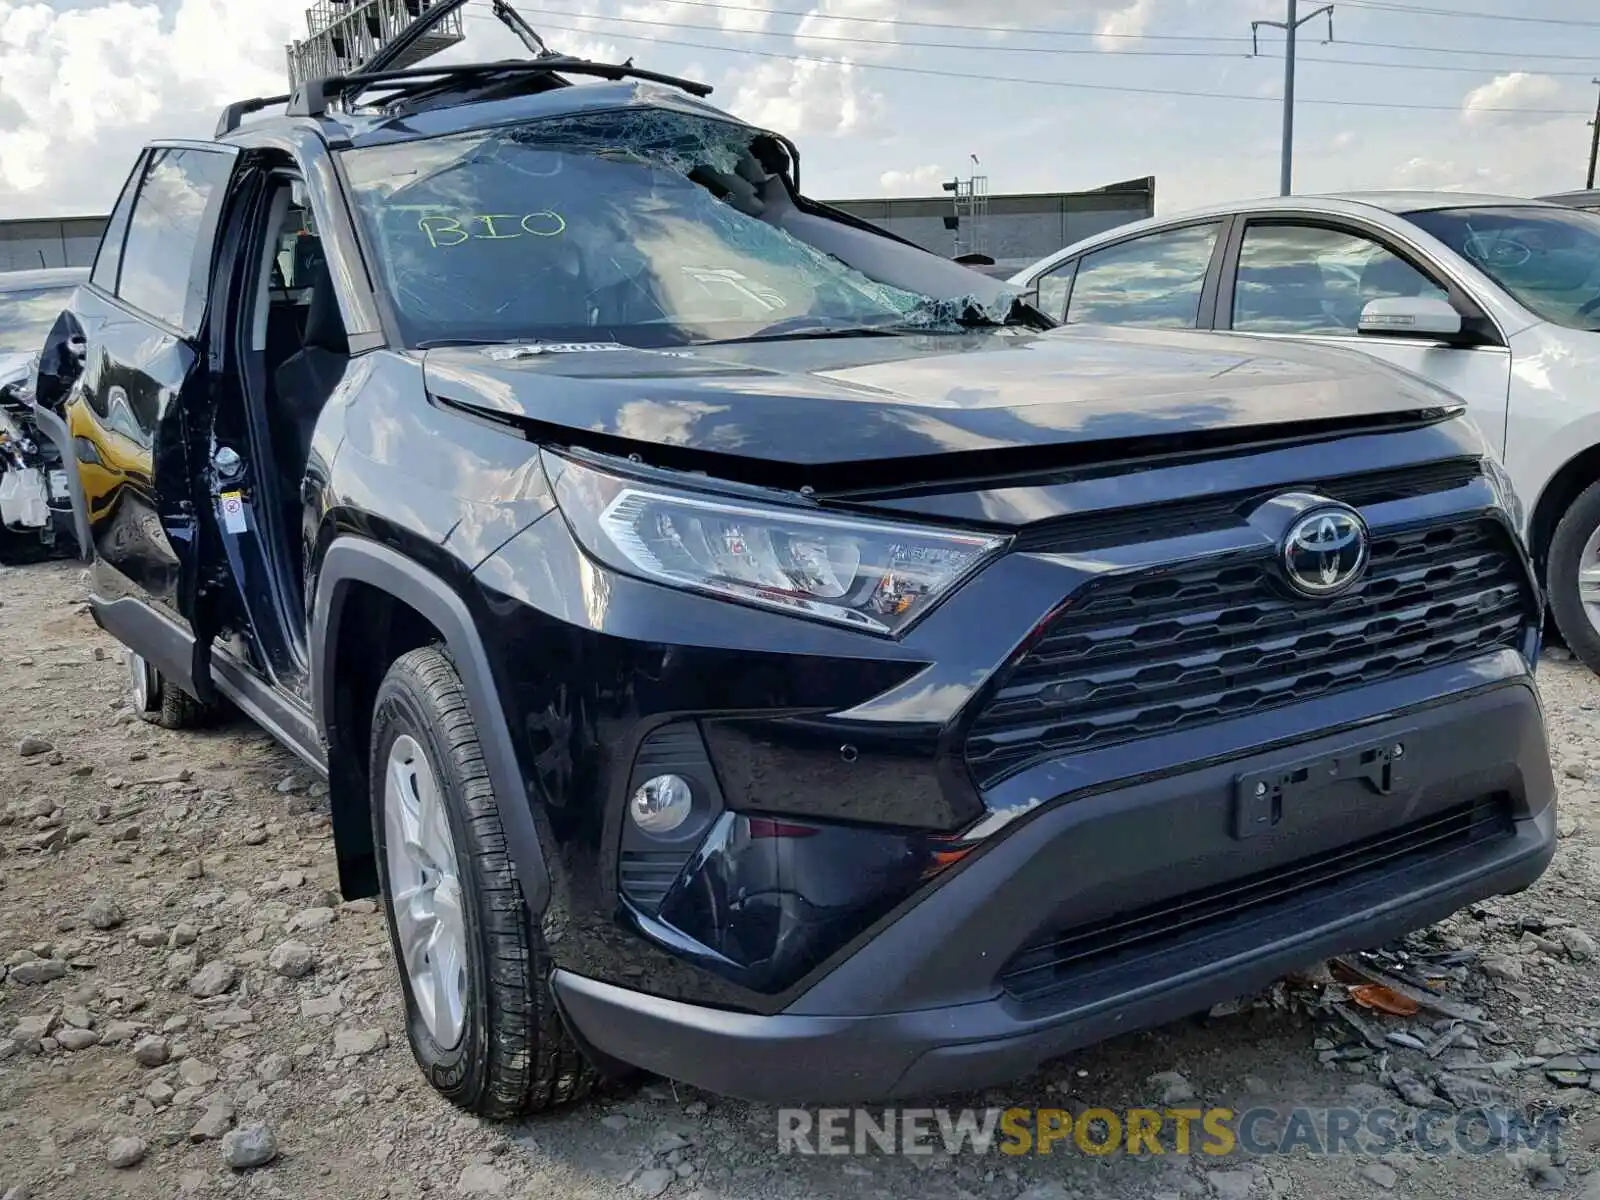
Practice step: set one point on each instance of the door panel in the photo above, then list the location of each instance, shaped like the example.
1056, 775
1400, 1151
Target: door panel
127, 406
1308, 281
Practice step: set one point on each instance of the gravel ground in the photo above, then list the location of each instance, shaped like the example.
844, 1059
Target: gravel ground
187, 1008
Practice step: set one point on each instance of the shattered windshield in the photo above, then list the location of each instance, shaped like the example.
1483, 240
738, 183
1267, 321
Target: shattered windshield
26, 318
640, 226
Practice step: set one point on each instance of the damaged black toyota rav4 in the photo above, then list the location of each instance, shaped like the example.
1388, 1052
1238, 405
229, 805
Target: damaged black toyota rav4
746, 646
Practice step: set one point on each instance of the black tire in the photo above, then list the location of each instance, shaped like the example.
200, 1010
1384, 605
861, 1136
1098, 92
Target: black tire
1577, 525
170, 707
515, 1054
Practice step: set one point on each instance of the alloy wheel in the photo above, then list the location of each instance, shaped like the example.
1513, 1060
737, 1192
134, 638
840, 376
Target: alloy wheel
425, 890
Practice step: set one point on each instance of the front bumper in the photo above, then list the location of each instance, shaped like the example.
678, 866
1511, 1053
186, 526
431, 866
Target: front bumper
1183, 910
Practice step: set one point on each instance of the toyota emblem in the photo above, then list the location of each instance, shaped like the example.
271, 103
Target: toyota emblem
1325, 551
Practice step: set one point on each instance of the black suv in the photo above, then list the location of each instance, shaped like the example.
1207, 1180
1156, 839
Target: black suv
746, 646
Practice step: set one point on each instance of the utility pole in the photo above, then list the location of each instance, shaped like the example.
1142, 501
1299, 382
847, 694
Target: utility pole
1594, 140
1290, 26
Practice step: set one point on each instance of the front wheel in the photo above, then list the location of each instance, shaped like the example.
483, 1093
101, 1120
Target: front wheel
1573, 576
474, 970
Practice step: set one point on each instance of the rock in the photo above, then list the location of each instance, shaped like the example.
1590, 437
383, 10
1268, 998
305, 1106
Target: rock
1547, 1047
1465, 1091
32, 747
615, 1122
252, 1146
1542, 1177
159, 1093
1578, 943
1499, 966
183, 934
1231, 1185
10, 1048
1575, 768
1379, 1173
667, 1141
125, 1152
478, 1179
103, 913
151, 1051
255, 837
330, 1005
1039, 1191
152, 937
292, 960
357, 1043
30, 1032
1591, 1190
195, 1073
214, 1122
76, 1039
37, 970
311, 918
228, 1018
274, 1067
1174, 1088
214, 979
653, 1182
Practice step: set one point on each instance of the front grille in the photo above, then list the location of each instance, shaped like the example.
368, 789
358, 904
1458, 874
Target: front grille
1180, 518
1145, 653
1065, 956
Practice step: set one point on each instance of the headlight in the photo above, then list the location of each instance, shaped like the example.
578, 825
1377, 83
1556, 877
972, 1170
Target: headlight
872, 576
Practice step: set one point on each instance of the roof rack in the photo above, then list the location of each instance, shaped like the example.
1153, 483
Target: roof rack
313, 98
236, 113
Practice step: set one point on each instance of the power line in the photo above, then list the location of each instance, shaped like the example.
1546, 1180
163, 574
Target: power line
865, 41
1413, 46
1464, 14
1044, 31
967, 47
1073, 85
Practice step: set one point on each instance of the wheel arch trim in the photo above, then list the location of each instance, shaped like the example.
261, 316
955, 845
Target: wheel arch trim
351, 560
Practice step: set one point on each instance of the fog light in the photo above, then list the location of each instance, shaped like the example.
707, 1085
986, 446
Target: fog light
662, 803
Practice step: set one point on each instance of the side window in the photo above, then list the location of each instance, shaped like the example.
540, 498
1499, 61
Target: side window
1054, 289
108, 259
171, 227
1310, 279
1153, 280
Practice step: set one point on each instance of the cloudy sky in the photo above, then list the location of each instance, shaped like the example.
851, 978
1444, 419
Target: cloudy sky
888, 97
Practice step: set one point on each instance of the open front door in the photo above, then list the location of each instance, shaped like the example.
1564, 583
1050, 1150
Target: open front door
138, 417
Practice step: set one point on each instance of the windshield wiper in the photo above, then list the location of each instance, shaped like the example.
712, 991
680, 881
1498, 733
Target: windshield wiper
827, 331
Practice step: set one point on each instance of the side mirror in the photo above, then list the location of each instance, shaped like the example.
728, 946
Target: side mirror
1411, 316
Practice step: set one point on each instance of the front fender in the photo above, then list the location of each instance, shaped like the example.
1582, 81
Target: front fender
352, 560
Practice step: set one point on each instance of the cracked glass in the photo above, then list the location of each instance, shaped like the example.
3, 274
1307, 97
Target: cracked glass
641, 225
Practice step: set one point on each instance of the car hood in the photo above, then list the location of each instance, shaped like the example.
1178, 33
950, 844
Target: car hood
852, 401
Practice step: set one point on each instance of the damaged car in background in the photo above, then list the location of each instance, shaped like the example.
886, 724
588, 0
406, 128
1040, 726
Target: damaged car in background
744, 645
35, 501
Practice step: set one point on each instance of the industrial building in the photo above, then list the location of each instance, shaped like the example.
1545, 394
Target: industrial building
35, 242
1013, 229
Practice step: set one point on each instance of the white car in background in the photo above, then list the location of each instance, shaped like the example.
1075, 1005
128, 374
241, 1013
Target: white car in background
1496, 299
1589, 199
